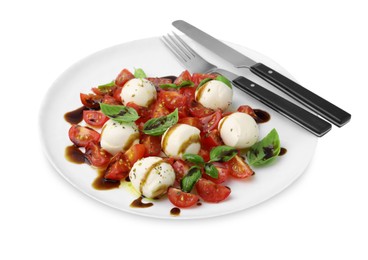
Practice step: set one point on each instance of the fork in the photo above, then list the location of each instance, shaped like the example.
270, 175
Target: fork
195, 63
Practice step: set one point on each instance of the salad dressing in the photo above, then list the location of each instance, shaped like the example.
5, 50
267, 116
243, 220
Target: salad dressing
137, 203
74, 155
193, 139
131, 140
175, 211
147, 173
100, 183
262, 116
75, 116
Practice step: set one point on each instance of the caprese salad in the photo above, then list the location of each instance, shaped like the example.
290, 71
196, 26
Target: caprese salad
171, 135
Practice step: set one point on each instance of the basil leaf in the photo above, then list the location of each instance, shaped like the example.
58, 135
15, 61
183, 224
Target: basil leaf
211, 170
169, 86
266, 150
120, 114
224, 80
203, 82
186, 83
139, 73
106, 87
193, 175
193, 158
222, 153
158, 126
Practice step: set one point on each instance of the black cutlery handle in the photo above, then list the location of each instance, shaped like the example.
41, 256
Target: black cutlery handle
319, 105
297, 114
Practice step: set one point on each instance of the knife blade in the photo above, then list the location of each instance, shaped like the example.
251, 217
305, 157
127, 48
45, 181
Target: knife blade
306, 97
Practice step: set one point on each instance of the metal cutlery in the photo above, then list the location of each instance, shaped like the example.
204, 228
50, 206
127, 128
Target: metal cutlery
316, 103
195, 63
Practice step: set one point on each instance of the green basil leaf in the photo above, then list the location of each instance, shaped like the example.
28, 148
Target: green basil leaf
193, 175
186, 83
224, 80
204, 81
193, 158
266, 150
165, 86
158, 126
139, 73
222, 153
211, 170
120, 114
106, 87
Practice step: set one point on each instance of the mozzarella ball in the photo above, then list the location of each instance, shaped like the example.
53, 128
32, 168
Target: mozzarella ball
180, 139
139, 91
151, 176
238, 130
118, 137
214, 94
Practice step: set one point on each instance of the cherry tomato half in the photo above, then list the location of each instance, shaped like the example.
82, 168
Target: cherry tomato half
152, 145
181, 199
239, 168
223, 173
211, 122
211, 192
123, 77
184, 76
81, 135
211, 139
96, 155
172, 99
198, 110
94, 118
92, 101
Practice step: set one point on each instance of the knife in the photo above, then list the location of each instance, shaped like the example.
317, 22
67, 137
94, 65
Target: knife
316, 103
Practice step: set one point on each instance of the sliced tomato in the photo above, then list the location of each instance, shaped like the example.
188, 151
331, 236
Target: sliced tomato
181, 168
110, 100
116, 94
239, 168
172, 99
118, 168
184, 76
124, 76
96, 155
223, 173
159, 109
198, 77
189, 93
211, 139
159, 81
211, 192
211, 122
181, 199
183, 112
97, 91
152, 145
193, 121
82, 135
94, 118
198, 110
134, 153
92, 101
247, 110
205, 154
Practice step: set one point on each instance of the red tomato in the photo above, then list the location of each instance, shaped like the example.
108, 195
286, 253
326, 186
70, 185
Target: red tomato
197, 110
118, 168
159, 109
210, 122
205, 154
183, 112
116, 94
97, 91
91, 101
248, 110
239, 168
193, 121
211, 192
97, 156
123, 77
211, 139
172, 99
94, 118
81, 135
223, 173
152, 145
198, 77
184, 76
107, 99
180, 168
159, 81
134, 153
181, 199
189, 93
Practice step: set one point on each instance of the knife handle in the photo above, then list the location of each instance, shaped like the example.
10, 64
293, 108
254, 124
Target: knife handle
317, 104
297, 114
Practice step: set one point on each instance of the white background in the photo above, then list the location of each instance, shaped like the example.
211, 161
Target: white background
323, 215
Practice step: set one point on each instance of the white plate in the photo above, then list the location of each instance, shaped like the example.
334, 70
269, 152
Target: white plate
151, 55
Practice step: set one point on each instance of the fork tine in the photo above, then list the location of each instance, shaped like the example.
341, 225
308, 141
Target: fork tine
180, 47
174, 49
189, 49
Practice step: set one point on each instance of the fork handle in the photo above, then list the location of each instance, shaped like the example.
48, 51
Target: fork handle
298, 115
